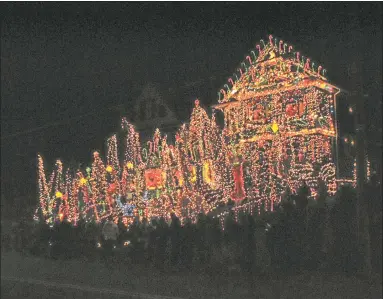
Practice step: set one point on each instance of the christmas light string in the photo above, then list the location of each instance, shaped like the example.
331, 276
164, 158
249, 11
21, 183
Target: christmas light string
278, 133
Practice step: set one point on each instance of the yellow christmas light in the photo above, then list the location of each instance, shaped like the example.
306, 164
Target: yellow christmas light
275, 127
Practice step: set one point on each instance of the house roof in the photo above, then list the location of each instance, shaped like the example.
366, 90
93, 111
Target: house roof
151, 109
275, 67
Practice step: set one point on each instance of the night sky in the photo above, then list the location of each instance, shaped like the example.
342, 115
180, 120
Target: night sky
66, 66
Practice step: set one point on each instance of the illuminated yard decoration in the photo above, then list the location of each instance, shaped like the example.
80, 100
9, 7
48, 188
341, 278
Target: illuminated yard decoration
280, 113
155, 179
279, 132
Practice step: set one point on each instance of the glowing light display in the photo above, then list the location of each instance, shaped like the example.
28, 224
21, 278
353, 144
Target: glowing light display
279, 132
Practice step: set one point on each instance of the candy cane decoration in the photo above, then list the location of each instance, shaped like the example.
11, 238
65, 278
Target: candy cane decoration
313, 65
280, 45
263, 43
236, 77
259, 49
155, 160
319, 69
160, 149
157, 147
219, 96
249, 59
271, 40
255, 56
150, 144
165, 139
284, 48
231, 81
240, 70
324, 72
307, 64
223, 92
144, 155
298, 56
244, 66
227, 86
290, 48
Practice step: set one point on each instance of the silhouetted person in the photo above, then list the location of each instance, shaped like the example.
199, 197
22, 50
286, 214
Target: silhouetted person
110, 234
62, 240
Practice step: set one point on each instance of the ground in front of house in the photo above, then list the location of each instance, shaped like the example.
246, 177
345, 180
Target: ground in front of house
32, 277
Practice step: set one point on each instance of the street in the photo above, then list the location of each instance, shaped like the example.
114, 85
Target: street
12, 287
32, 277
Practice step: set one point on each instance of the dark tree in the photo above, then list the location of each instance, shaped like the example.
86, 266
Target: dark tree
343, 219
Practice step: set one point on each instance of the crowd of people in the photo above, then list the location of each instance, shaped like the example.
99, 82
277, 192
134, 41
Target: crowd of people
299, 234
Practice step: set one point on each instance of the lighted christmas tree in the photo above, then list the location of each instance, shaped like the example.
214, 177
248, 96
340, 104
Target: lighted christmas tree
98, 186
112, 156
44, 196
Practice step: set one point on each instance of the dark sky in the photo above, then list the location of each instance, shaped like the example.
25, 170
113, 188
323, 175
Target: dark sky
64, 60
